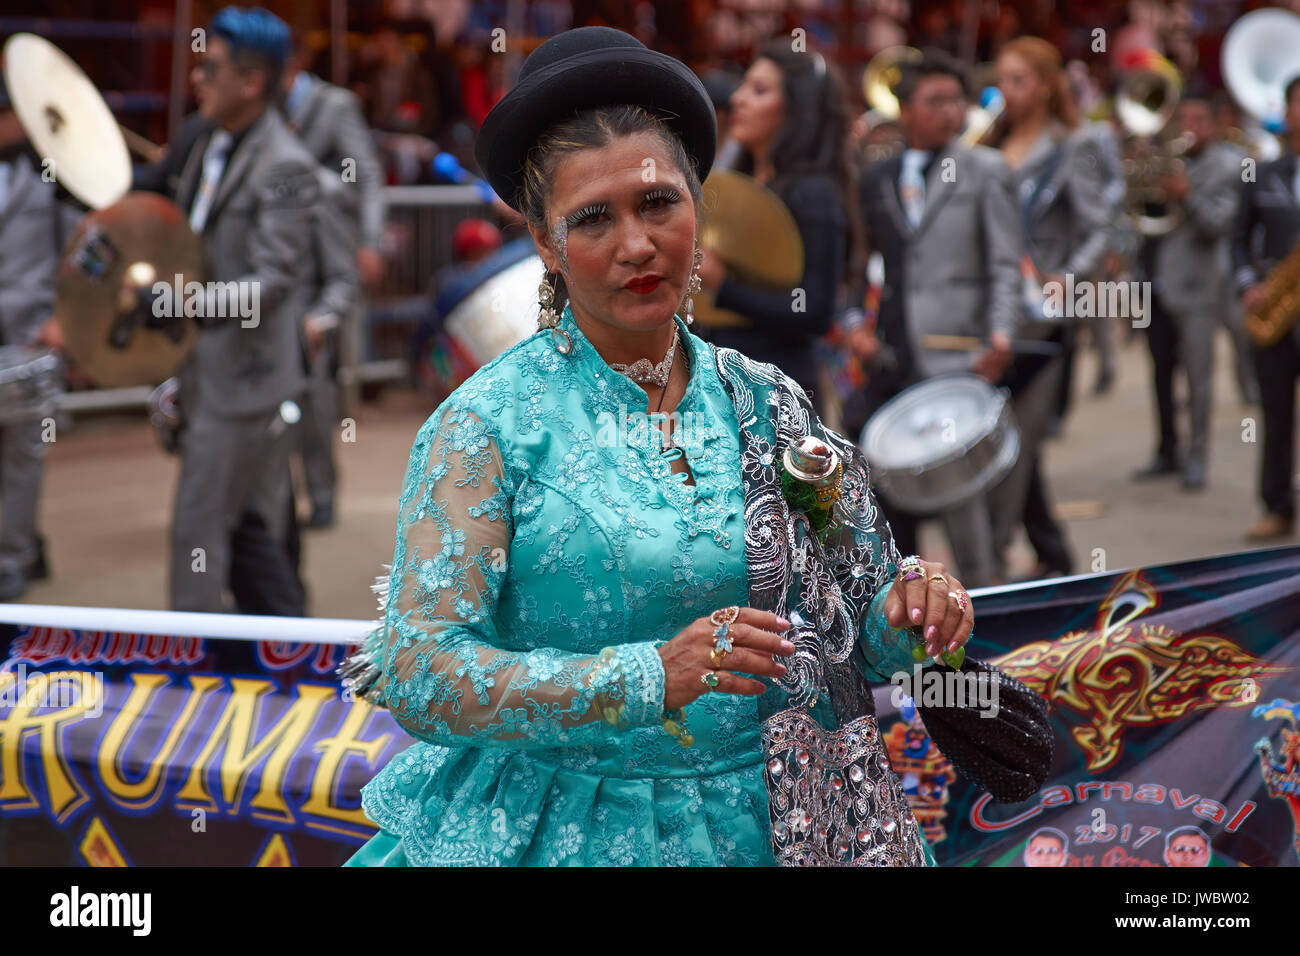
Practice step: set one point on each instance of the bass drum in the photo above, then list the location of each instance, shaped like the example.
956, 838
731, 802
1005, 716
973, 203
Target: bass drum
941, 442
480, 313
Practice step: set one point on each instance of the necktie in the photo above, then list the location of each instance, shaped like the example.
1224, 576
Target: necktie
214, 162
911, 185
6, 177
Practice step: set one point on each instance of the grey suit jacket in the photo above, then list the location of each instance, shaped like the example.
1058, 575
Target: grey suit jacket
1192, 265
258, 234
1074, 200
330, 123
334, 252
962, 263
34, 227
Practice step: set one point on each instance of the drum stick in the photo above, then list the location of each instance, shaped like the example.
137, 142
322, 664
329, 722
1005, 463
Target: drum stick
141, 146
969, 343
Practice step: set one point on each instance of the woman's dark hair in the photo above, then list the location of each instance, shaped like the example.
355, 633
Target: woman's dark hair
814, 135
593, 128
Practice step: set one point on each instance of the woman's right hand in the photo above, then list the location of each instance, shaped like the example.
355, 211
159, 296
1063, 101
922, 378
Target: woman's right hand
1253, 297
755, 637
863, 341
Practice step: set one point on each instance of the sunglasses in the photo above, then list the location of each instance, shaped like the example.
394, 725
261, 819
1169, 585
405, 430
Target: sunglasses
210, 68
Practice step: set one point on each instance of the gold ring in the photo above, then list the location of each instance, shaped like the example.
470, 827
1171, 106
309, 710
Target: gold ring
938, 577
724, 615
717, 656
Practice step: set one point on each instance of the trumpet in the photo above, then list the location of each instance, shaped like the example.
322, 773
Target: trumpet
1146, 101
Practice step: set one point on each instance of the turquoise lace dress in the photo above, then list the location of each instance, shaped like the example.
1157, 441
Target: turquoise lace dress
544, 550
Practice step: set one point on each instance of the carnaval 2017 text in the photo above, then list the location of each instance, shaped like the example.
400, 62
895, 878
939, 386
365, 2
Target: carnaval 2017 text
1058, 795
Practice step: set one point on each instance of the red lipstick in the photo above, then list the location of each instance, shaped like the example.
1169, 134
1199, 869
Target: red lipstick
643, 285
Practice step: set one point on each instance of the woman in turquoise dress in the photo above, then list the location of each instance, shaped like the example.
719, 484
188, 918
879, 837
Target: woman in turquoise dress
620, 623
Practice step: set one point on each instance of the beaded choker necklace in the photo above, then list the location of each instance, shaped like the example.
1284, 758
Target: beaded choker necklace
642, 372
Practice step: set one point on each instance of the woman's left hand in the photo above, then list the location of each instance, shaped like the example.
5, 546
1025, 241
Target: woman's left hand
936, 603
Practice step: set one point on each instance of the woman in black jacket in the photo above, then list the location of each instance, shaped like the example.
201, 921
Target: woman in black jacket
791, 119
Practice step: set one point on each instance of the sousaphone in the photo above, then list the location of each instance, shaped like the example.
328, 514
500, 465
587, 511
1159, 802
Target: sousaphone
127, 241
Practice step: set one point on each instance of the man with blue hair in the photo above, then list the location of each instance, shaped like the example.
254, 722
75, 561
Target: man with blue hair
249, 188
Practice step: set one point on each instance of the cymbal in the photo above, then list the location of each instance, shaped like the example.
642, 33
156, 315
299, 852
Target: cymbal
747, 226
139, 240
67, 120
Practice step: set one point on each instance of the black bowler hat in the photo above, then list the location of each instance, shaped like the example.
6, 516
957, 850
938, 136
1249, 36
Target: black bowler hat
584, 68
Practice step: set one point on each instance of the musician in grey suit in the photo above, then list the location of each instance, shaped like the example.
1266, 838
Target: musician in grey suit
34, 226
329, 121
259, 581
250, 189
1268, 232
1189, 269
332, 311
944, 219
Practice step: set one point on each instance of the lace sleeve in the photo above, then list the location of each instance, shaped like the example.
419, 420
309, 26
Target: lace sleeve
886, 650
447, 676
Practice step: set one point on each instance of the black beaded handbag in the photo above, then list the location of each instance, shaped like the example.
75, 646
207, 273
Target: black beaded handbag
1009, 754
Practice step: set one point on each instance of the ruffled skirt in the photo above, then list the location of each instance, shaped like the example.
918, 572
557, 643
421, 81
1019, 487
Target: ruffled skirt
440, 806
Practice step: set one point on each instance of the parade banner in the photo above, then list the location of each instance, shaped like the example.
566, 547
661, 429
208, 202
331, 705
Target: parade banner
1174, 692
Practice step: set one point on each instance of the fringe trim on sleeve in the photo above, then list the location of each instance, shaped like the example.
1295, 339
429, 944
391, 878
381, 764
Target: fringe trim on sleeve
360, 672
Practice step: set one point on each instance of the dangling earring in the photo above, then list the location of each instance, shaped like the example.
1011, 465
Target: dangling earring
548, 318
693, 286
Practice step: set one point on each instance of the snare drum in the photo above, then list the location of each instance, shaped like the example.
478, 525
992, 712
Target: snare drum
31, 381
941, 442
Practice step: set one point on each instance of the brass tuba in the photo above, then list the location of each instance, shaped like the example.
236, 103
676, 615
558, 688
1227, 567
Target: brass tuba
1144, 104
880, 80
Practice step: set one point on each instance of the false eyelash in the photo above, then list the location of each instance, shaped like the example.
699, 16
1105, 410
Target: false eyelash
672, 195
595, 209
